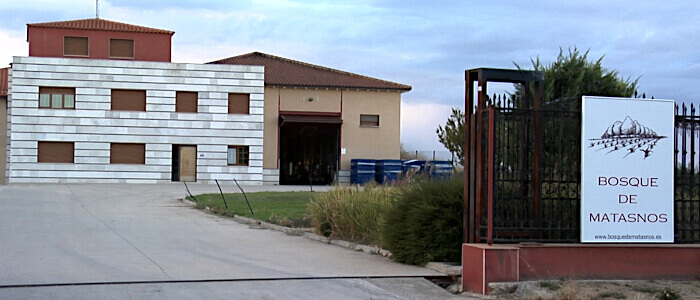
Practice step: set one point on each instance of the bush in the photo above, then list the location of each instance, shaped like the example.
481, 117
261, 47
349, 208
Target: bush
351, 213
425, 223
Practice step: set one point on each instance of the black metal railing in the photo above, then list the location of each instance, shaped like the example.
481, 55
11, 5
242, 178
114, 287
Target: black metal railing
535, 173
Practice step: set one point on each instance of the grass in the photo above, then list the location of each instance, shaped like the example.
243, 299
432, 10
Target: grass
282, 208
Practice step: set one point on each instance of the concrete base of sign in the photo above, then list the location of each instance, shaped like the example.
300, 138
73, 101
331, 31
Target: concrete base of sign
482, 264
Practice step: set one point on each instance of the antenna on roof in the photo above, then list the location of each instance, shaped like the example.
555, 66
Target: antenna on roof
97, 9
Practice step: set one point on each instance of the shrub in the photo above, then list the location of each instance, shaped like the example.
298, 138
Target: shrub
425, 223
350, 213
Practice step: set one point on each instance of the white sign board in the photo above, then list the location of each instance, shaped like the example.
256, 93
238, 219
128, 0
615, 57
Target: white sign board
627, 170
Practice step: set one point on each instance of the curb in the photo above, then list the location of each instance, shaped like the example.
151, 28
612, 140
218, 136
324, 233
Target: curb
449, 269
308, 235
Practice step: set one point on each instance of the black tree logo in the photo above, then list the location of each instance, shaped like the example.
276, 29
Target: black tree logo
629, 136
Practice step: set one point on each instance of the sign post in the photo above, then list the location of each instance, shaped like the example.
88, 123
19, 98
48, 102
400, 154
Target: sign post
627, 170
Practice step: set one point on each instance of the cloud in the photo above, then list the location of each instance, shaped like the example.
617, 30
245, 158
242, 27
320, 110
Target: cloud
14, 44
418, 124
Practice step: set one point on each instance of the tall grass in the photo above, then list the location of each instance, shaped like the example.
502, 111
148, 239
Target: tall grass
351, 213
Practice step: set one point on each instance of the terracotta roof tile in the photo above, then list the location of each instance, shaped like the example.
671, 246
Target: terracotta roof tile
3, 81
99, 24
281, 71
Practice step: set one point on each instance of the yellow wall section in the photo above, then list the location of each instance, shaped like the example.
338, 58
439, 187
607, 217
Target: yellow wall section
383, 142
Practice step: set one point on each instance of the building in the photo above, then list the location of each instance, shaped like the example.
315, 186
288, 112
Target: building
100, 101
317, 119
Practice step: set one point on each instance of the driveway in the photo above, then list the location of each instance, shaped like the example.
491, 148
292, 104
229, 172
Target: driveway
139, 241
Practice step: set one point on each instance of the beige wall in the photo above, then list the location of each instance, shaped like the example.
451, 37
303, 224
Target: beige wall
3, 137
381, 142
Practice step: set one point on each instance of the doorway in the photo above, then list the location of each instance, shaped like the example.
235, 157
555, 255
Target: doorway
309, 151
184, 165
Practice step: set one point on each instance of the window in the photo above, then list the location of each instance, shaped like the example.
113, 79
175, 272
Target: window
119, 48
134, 100
238, 103
55, 152
127, 154
237, 155
186, 102
369, 120
54, 97
75, 46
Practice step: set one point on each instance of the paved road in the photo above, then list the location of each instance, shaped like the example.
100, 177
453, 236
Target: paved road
68, 241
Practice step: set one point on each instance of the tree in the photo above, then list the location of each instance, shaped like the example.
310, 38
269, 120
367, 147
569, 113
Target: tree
572, 75
452, 135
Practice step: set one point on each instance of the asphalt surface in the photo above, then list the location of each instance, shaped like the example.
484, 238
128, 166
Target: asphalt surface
119, 241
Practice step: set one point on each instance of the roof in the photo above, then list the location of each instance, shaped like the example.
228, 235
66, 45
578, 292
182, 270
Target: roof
281, 71
99, 24
3, 81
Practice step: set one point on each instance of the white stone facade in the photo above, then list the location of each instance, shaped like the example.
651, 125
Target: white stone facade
92, 126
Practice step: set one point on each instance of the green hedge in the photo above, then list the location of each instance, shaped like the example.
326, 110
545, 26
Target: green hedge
425, 223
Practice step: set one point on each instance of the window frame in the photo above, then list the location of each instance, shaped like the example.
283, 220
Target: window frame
372, 123
181, 107
87, 39
133, 49
240, 150
51, 158
233, 108
56, 91
128, 159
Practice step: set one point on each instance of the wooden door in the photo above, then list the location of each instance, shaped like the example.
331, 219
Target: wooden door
188, 163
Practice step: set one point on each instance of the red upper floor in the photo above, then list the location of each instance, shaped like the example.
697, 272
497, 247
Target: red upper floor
99, 39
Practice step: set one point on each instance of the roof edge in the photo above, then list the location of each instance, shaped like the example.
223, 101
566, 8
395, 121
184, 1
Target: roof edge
404, 87
44, 25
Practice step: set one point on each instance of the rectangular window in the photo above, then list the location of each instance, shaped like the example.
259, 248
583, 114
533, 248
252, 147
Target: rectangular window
237, 155
55, 152
54, 97
119, 48
186, 102
127, 153
75, 46
369, 120
132, 100
238, 103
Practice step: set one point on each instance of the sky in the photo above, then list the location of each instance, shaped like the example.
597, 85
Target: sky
425, 44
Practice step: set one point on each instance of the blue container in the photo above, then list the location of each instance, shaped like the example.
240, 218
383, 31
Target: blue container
388, 170
362, 170
411, 167
439, 168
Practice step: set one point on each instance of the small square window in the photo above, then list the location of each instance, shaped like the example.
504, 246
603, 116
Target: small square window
75, 46
55, 152
237, 155
369, 120
127, 153
130, 100
120, 48
238, 103
186, 102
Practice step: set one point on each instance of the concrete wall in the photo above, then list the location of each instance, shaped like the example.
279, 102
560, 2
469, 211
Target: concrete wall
92, 126
383, 142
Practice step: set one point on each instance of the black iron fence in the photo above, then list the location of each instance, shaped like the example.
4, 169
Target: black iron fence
532, 161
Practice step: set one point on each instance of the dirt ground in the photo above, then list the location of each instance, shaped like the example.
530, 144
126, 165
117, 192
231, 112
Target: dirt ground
594, 289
